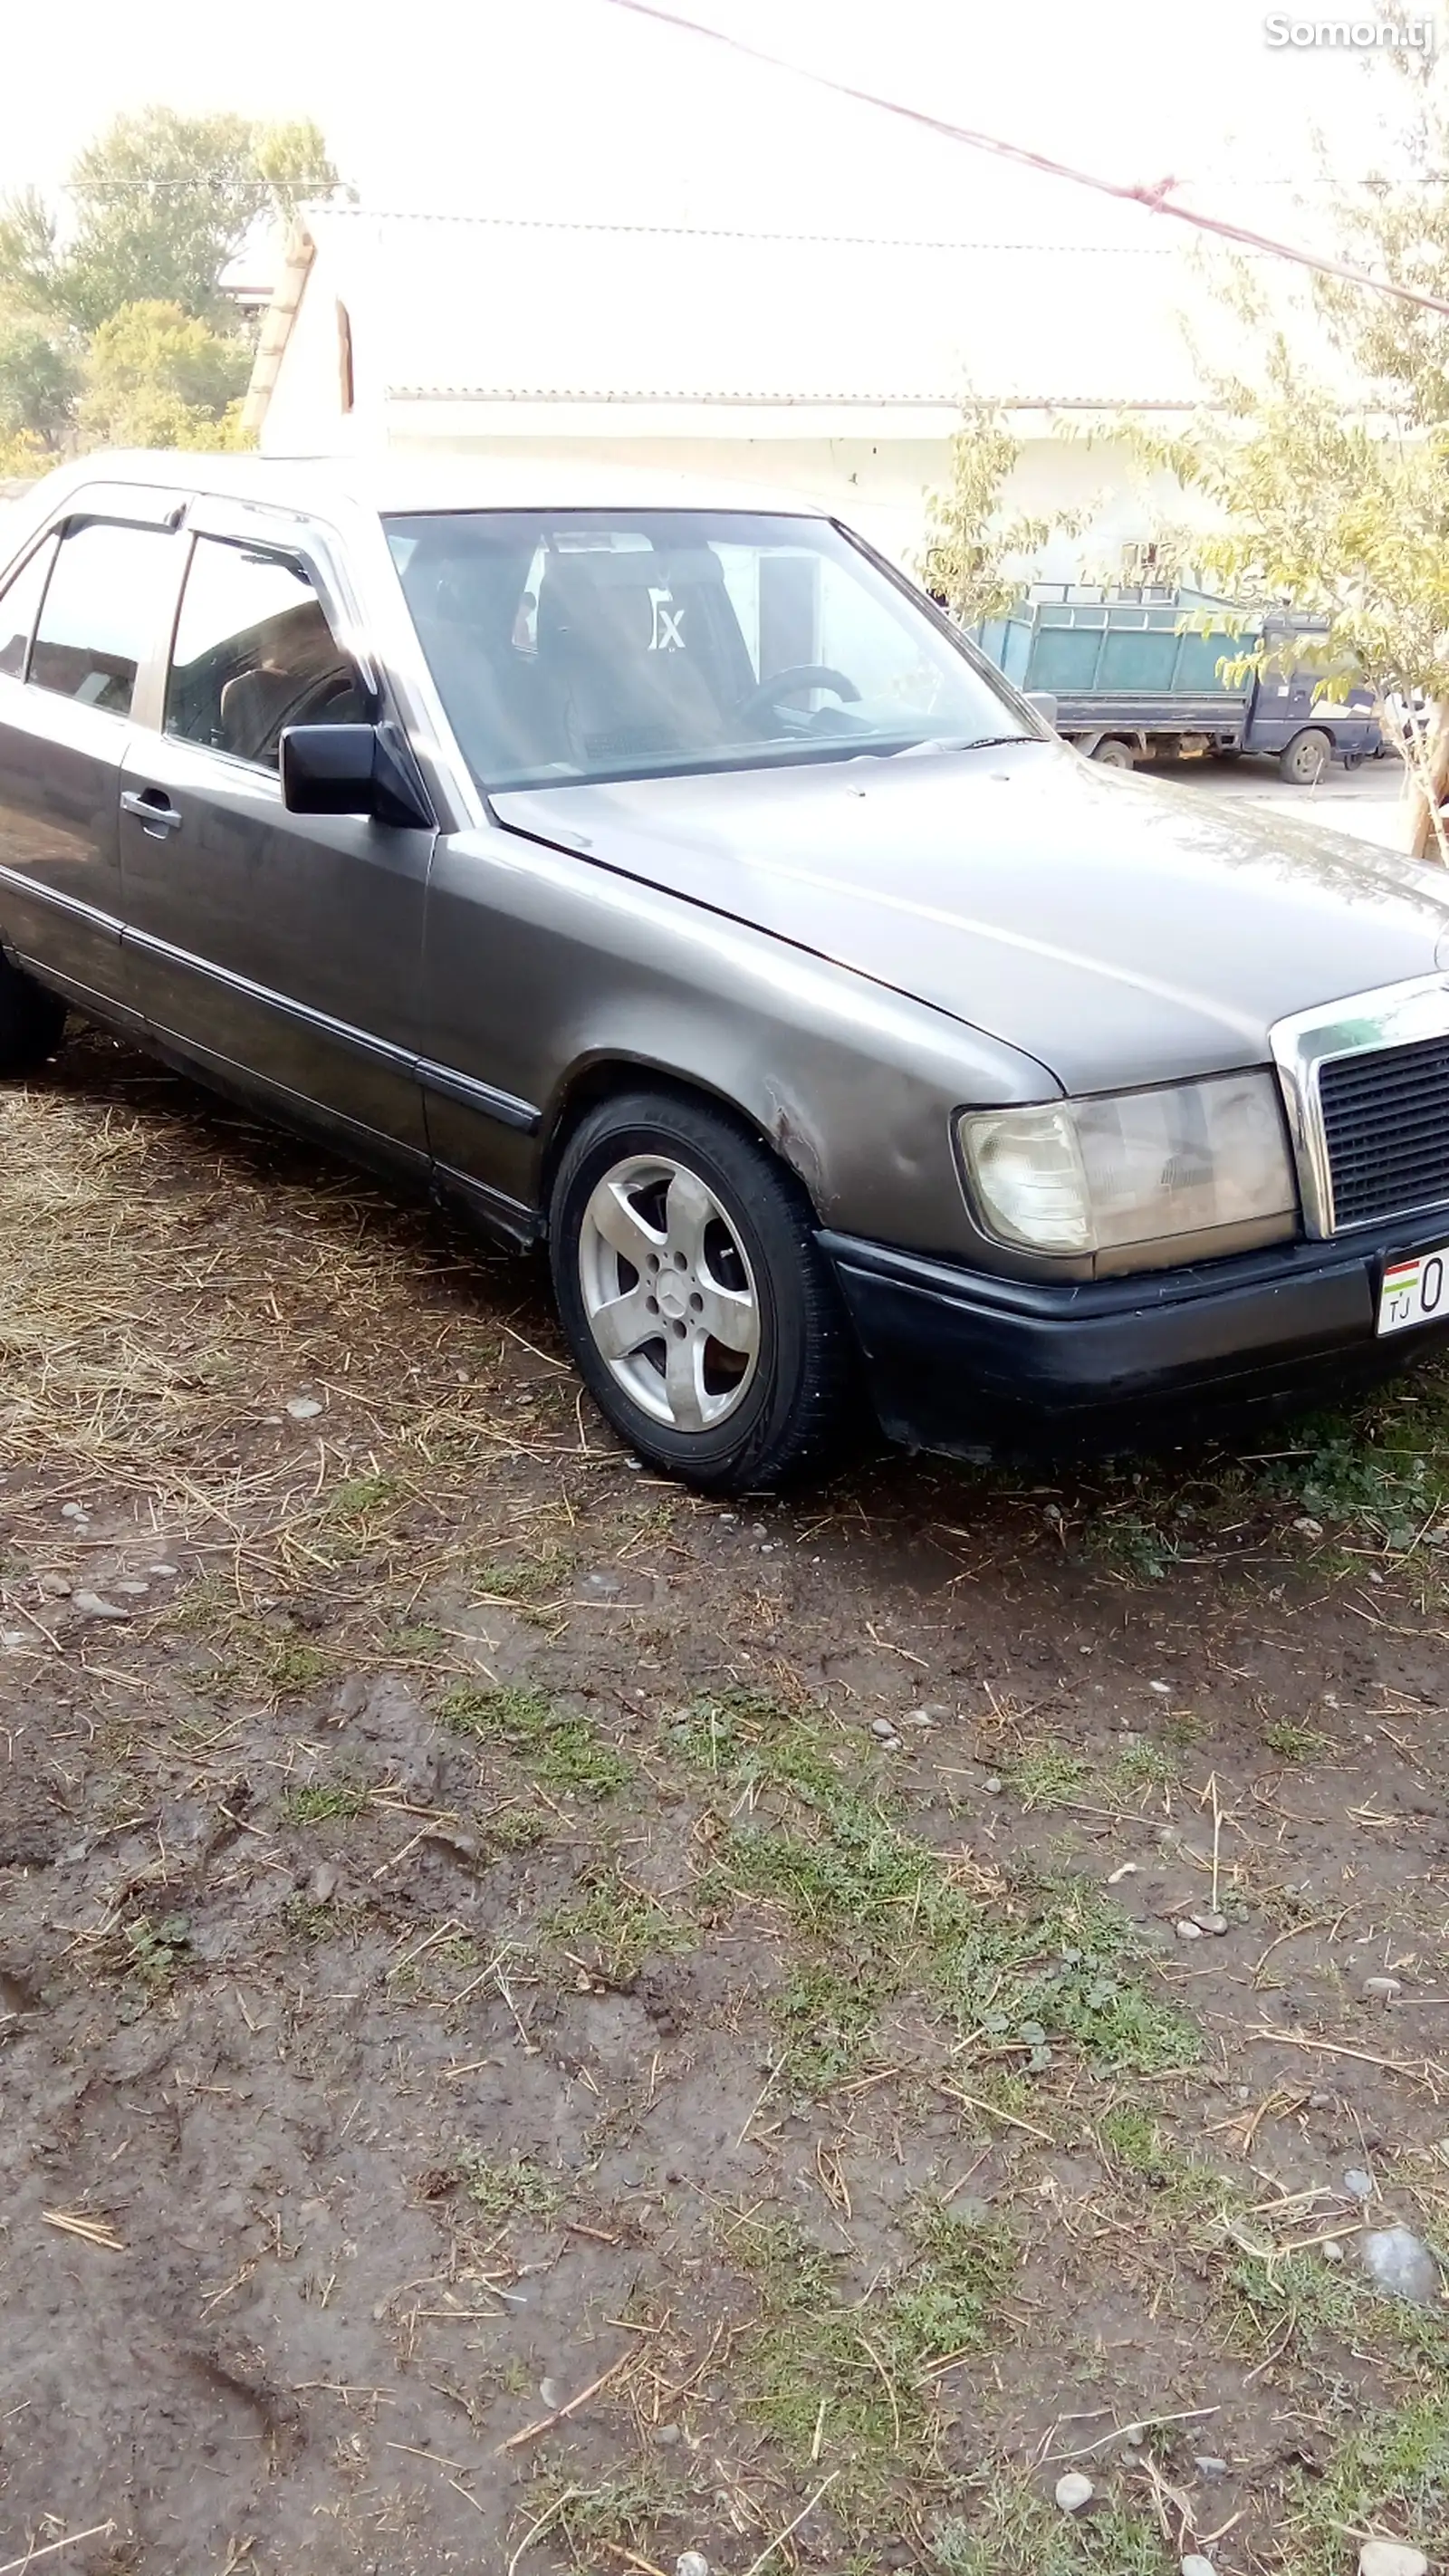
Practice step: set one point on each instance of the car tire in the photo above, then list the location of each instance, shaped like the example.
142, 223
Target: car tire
1114, 754
696, 1301
1303, 760
32, 1022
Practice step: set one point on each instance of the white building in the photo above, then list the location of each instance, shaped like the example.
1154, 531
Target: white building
825, 365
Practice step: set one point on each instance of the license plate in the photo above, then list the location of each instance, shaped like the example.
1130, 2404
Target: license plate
1414, 1292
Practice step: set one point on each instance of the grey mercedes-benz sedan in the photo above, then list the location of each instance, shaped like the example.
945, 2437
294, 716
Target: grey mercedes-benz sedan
656, 873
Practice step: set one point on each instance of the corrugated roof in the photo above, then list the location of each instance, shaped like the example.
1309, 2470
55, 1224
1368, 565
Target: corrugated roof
486, 310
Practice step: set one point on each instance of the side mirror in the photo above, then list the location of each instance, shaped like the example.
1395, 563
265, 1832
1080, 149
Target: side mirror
1042, 703
352, 769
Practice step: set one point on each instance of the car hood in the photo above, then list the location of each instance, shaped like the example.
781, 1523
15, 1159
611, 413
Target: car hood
1119, 929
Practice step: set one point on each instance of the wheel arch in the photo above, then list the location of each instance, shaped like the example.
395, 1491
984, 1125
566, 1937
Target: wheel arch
599, 1077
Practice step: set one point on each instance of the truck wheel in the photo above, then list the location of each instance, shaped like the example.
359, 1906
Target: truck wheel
1114, 754
1304, 760
32, 1021
699, 1307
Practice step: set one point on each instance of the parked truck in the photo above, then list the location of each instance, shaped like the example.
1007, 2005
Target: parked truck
1146, 674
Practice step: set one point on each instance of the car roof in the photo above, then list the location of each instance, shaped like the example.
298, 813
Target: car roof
401, 485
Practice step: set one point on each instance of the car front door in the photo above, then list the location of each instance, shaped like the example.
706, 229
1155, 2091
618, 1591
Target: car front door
281, 953
82, 626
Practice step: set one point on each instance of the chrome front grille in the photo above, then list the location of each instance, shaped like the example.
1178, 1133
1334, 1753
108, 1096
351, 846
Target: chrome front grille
1386, 1126
1366, 1088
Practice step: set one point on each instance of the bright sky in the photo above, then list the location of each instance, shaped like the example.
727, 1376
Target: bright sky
572, 108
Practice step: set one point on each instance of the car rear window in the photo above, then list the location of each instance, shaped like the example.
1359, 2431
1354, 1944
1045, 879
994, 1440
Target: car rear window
105, 605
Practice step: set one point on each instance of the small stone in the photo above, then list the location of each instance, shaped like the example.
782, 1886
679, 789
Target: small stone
1196, 2565
271, 1421
303, 1408
1391, 2558
669, 2437
13, 1638
133, 1585
1308, 1525
728, 1517
322, 1885
691, 2562
1163, 1689
1187, 1930
1320, 2101
1331, 2250
74, 1512
1358, 2184
163, 1569
54, 1587
1207, 2466
1401, 2265
1217, 1924
91, 1605
548, 2393
893, 1744
1382, 1989
881, 1727
1074, 2492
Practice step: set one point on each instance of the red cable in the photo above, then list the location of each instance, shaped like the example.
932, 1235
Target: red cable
1155, 199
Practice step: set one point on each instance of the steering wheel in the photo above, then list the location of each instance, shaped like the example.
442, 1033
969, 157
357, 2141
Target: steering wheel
799, 675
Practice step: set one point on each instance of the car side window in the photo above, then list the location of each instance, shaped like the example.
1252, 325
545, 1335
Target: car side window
254, 653
19, 606
104, 604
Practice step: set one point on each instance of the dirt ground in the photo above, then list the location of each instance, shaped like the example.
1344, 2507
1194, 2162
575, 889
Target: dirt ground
546, 2024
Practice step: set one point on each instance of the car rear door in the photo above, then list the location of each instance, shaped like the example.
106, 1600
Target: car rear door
282, 953
85, 620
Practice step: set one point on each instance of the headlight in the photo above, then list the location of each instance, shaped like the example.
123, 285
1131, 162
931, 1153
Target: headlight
1134, 1167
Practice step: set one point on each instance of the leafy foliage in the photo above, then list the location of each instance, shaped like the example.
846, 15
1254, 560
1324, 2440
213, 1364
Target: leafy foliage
115, 327
162, 201
157, 377
974, 553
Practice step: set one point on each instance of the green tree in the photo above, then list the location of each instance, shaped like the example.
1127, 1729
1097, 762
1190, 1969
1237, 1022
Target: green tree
158, 377
161, 202
973, 559
39, 380
1344, 514
1330, 458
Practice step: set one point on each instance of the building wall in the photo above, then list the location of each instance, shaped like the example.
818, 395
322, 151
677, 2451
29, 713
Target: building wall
881, 485
304, 416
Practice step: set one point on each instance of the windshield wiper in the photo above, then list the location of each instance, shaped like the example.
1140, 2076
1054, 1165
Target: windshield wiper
963, 742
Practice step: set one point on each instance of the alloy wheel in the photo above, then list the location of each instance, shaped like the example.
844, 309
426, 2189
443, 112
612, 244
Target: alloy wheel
669, 1293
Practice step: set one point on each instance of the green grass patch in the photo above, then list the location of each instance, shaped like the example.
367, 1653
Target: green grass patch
1304, 2310
156, 1950
614, 1926
1014, 2531
1039, 1963
518, 2188
1183, 2189
827, 2020
324, 1802
527, 1579
563, 1753
1047, 1775
1293, 1743
868, 2364
1390, 2475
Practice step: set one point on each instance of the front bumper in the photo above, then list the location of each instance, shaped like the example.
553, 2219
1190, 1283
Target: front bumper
969, 1363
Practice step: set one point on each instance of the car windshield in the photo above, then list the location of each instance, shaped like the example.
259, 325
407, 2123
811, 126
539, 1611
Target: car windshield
572, 645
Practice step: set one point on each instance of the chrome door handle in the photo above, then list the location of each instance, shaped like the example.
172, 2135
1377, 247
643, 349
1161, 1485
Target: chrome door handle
156, 817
